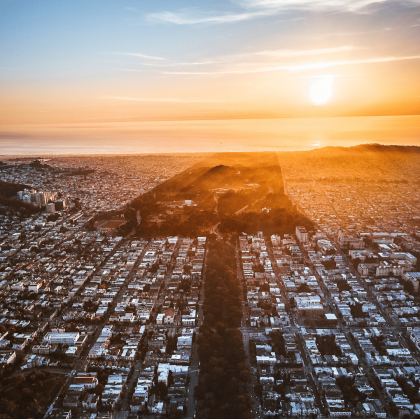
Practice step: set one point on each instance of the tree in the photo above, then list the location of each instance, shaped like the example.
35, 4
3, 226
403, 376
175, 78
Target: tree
259, 268
222, 390
99, 389
357, 311
393, 409
409, 287
161, 389
304, 288
329, 264
265, 287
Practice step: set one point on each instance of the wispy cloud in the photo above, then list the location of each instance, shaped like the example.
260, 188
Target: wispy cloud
343, 5
138, 55
190, 17
302, 53
314, 66
251, 57
181, 64
299, 67
252, 9
170, 100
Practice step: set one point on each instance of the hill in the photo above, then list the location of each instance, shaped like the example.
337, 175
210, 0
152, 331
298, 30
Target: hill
227, 193
8, 193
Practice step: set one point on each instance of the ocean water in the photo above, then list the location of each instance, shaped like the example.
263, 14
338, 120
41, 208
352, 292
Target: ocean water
287, 134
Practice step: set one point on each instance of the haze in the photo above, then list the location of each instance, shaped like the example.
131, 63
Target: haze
106, 61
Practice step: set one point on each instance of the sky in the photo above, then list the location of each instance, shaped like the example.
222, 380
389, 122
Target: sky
97, 61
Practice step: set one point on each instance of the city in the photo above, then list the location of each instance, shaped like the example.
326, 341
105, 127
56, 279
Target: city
112, 322
210, 209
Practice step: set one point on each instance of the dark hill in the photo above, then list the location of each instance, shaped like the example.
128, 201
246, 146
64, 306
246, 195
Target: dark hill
10, 190
386, 148
238, 191
216, 177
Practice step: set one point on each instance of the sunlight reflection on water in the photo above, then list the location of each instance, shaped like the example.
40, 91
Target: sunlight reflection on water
288, 134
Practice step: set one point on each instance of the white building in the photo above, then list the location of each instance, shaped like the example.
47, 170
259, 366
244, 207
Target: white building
65, 338
50, 208
301, 234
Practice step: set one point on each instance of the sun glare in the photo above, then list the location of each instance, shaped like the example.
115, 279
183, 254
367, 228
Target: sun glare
321, 90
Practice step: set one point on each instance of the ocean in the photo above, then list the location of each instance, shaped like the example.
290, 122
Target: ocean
283, 134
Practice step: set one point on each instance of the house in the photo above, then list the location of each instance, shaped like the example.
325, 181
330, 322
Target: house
169, 316
90, 401
87, 380
7, 357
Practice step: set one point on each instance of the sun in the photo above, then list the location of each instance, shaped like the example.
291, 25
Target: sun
321, 91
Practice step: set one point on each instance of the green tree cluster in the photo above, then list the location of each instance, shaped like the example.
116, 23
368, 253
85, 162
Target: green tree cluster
25, 396
350, 392
222, 390
222, 302
327, 345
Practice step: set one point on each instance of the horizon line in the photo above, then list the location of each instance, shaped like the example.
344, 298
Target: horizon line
31, 156
213, 119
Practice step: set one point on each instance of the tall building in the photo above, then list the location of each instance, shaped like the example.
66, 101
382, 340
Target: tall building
60, 204
301, 234
39, 198
50, 207
43, 198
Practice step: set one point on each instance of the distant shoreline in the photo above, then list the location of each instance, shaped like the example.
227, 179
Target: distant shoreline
206, 136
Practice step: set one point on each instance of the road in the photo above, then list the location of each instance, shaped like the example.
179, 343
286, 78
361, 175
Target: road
245, 338
241, 209
131, 385
213, 230
195, 363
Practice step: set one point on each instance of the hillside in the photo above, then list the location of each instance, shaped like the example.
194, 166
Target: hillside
8, 193
10, 190
226, 193
372, 163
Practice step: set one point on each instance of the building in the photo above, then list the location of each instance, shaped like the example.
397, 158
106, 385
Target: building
64, 338
184, 342
159, 318
381, 238
169, 316
60, 204
350, 242
50, 207
90, 401
415, 337
309, 305
39, 198
301, 234
325, 247
34, 286
87, 380
363, 270
7, 357
412, 277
